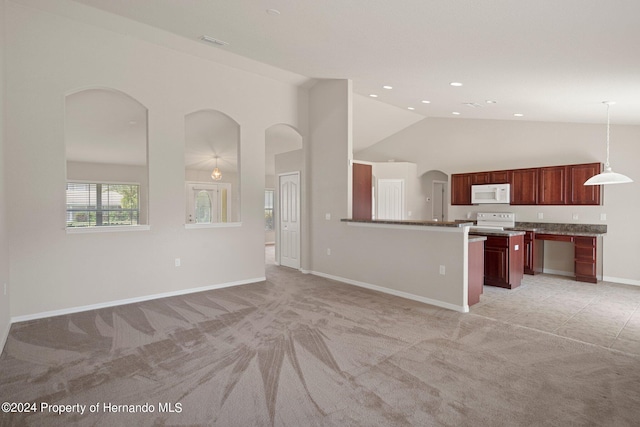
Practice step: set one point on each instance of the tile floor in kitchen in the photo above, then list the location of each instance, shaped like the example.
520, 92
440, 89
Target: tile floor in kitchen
605, 314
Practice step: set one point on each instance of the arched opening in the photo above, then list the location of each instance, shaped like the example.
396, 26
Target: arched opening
434, 186
283, 166
106, 159
212, 168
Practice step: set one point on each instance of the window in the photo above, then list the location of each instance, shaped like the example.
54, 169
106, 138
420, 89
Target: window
100, 204
268, 210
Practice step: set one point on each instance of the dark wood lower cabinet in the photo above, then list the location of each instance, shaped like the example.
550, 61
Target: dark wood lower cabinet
585, 254
504, 261
585, 259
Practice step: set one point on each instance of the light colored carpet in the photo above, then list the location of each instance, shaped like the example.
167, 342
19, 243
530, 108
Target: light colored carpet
300, 350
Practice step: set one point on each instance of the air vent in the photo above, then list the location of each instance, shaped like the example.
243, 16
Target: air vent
213, 40
472, 104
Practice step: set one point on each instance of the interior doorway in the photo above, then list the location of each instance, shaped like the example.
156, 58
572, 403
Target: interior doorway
390, 199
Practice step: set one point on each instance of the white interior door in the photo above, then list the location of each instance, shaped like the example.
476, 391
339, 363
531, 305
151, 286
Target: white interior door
289, 220
390, 199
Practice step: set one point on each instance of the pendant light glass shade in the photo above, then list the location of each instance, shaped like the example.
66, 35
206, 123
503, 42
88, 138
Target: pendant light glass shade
216, 175
608, 176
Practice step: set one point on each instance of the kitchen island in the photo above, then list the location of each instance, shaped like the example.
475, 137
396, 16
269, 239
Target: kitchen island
427, 261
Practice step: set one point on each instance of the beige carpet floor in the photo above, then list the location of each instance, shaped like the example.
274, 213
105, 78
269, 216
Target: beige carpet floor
299, 350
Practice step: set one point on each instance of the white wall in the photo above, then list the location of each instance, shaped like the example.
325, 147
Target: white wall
4, 247
459, 145
48, 56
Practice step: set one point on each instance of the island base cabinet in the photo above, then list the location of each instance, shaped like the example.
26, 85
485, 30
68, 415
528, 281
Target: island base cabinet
503, 261
476, 271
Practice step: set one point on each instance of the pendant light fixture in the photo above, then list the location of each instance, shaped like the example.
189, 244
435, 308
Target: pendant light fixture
216, 175
608, 176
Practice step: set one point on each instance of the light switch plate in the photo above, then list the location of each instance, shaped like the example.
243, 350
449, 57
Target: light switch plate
327, 216
574, 216
540, 215
603, 217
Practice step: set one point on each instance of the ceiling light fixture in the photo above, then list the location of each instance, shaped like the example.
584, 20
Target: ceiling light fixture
373, 95
489, 101
387, 87
274, 12
216, 175
455, 84
213, 40
455, 113
518, 114
410, 108
424, 101
608, 176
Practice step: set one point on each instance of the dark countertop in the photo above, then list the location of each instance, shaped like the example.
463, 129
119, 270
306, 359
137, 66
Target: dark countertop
590, 230
410, 222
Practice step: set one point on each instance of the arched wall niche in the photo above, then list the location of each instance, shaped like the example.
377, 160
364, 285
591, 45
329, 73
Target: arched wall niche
212, 168
106, 151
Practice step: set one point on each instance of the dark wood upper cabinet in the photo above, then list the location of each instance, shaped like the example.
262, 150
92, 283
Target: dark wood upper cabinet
499, 177
524, 186
553, 188
361, 192
552, 185
480, 178
461, 189
580, 194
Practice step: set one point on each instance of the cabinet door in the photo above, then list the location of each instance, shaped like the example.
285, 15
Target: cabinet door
480, 178
496, 261
499, 177
580, 194
461, 189
528, 253
553, 185
524, 187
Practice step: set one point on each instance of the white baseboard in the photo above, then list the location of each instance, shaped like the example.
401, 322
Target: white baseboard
437, 303
621, 280
71, 310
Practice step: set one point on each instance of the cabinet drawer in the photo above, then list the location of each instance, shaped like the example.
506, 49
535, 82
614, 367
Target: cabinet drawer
586, 253
585, 241
497, 242
555, 237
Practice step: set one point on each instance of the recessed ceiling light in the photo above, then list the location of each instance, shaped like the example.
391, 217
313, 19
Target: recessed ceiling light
274, 12
424, 101
410, 108
455, 113
213, 40
373, 95
387, 87
518, 114
489, 101
456, 84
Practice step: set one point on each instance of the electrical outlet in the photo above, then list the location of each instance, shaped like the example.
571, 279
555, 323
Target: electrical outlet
442, 270
178, 262
409, 214
574, 216
603, 217
328, 251
540, 215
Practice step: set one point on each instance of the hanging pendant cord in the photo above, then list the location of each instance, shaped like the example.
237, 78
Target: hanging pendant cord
606, 165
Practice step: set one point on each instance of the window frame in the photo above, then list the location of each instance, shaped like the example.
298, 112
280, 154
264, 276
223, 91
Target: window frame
104, 228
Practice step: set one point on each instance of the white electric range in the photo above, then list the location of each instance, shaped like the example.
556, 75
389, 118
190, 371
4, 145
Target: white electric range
494, 221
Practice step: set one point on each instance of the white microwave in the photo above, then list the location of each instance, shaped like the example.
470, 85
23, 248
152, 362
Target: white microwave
490, 193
